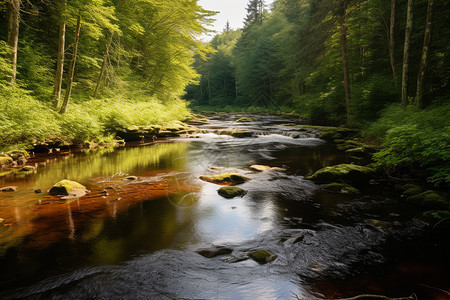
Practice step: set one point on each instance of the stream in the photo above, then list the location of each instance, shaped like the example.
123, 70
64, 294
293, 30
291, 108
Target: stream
137, 239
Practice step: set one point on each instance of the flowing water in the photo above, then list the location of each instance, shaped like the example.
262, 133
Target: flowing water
136, 239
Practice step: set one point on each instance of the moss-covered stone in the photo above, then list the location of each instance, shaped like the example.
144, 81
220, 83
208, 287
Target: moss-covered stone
28, 168
432, 217
6, 161
18, 153
197, 119
214, 251
262, 256
379, 224
343, 172
231, 192
67, 187
429, 199
412, 189
342, 188
241, 133
225, 178
246, 119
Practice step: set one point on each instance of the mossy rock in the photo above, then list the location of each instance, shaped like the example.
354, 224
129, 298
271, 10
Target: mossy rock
343, 172
67, 187
225, 178
246, 119
6, 161
412, 189
429, 199
241, 133
28, 168
18, 153
342, 188
433, 217
231, 192
262, 256
214, 251
379, 224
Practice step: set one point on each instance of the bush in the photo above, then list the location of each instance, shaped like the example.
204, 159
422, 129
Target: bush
415, 139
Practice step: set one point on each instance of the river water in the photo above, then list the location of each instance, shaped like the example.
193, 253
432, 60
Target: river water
136, 239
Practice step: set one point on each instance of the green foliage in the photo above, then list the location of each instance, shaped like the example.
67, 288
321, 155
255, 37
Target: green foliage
415, 139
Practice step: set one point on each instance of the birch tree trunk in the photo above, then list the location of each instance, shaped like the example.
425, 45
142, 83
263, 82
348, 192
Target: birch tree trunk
105, 58
425, 53
72, 67
60, 60
344, 52
409, 21
13, 33
392, 42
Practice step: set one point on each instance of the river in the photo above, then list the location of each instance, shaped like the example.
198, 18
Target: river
137, 239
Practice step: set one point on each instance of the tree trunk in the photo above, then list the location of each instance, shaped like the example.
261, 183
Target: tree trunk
60, 61
392, 42
105, 58
425, 51
344, 52
409, 21
72, 67
13, 33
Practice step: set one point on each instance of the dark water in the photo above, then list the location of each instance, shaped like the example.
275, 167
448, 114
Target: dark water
139, 240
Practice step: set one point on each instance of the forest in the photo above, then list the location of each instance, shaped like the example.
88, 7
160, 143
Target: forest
378, 65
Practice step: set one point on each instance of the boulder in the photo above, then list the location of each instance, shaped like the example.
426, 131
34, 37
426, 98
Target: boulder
68, 187
5, 161
343, 172
262, 256
412, 189
231, 192
18, 153
429, 199
225, 179
341, 188
433, 217
214, 251
8, 189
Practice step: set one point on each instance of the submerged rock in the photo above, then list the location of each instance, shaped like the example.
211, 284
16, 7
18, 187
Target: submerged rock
236, 133
429, 199
214, 251
343, 172
68, 187
342, 188
262, 256
263, 168
225, 178
231, 192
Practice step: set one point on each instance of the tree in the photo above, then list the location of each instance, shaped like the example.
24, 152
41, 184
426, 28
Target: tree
13, 33
406, 50
60, 57
392, 41
425, 53
344, 53
255, 9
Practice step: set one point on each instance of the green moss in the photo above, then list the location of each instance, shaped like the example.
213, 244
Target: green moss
230, 192
18, 153
343, 172
261, 256
5, 160
429, 199
66, 187
246, 119
341, 188
225, 178
434, 216
412, 189
378, 223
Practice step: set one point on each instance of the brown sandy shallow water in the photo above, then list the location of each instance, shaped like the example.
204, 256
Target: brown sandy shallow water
136, 239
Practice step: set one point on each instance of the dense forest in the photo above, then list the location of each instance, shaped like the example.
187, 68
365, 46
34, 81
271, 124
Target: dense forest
71, 71
377, 65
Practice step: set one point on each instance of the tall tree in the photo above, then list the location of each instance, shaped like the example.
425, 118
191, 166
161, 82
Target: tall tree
406, 50
255, 9
13, 33
72, 67
392, 41
105, 59
60, 57
344, 52
425, 54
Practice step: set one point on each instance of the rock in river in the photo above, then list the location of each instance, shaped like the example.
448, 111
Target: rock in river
214, 251
262, 256
342, 188
429, 199
225, 178
343, 172
68, 187
231, 192
8, 189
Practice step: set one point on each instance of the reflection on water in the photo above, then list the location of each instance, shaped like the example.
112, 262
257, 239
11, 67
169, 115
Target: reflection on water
138, 237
